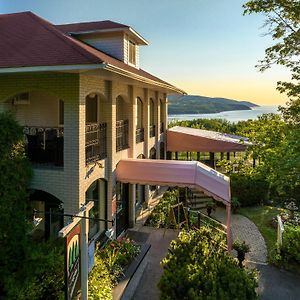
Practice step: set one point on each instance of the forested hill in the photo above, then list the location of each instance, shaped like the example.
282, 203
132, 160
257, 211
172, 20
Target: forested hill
189, 104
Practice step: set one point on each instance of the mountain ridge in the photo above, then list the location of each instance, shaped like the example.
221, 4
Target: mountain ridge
196, 104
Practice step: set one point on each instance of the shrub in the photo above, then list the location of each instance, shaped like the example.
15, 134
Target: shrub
249, 189
159, 217
108, 268
43, 277
100, 281
291, 243
198, 268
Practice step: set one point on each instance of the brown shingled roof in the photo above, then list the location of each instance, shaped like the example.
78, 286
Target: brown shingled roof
90, 26
30, 41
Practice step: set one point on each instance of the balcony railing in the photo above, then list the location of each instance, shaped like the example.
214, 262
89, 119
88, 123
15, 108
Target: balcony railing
95, 142
45, 145
162, 127
122, 135
139, 135
152, 130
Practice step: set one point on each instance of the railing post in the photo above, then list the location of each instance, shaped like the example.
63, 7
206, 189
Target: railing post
280, 230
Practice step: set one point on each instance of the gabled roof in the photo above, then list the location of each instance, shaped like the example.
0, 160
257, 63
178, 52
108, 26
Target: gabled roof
200, 140
100, 27
28, 41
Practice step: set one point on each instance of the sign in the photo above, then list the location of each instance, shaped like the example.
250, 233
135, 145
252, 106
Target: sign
178, 215
72, 261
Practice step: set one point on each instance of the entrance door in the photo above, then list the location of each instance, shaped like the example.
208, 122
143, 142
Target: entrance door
122, 207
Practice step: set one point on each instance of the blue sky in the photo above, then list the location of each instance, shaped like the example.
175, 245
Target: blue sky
205, 47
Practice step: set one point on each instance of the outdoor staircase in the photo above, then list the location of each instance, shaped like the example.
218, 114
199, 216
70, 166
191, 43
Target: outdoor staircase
198, 200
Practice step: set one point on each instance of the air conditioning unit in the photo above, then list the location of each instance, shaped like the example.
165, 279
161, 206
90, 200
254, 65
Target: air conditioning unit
21, 99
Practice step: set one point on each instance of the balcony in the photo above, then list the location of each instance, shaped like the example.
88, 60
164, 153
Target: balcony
140, 137
162, 127
122, 135
45, 145
95, 142
152, 130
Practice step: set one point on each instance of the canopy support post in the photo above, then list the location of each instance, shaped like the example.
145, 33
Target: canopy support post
228, 227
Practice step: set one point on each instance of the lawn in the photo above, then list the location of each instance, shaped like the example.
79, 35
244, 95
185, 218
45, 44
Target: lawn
262, 217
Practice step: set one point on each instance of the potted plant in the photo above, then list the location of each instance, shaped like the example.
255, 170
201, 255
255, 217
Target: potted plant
235, 204
210, 207
242, 248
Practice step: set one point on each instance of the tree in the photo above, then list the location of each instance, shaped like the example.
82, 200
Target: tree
283, 23
14, 179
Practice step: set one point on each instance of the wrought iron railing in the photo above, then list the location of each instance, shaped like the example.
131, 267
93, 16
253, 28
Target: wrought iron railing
162, 127
95, 142
45, 145
122, 135
140, 135
152, 130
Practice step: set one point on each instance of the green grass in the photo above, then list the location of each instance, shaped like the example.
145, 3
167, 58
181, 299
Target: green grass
262, 216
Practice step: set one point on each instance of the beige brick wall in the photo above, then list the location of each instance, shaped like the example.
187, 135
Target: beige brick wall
70, 183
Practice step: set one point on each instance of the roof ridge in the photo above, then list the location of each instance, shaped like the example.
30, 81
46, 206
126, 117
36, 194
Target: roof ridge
50, 27
90, 22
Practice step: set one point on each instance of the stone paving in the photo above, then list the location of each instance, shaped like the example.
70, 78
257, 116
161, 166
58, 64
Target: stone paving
245, 230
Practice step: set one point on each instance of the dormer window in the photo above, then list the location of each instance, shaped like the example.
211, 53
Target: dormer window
132, 53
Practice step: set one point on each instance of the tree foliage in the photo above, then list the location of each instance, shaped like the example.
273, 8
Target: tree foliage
28, 270
14, 179
283, 23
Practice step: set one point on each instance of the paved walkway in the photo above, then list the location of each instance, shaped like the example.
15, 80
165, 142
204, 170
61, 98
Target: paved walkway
245, 230
160, 240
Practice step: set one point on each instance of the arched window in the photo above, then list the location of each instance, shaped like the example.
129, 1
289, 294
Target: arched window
139, 114
91, 109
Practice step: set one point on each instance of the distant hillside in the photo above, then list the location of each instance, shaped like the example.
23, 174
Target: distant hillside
189, 104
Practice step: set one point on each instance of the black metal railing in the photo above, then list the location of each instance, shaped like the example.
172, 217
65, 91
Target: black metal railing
122, 135
152, 130
45, 145
162, 127
95, 142
140, 136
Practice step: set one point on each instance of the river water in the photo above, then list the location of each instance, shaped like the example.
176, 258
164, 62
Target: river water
232, 116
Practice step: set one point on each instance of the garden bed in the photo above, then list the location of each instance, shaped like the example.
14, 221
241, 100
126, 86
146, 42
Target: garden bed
127, 286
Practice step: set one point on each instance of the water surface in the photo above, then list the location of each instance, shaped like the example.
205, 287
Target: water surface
232, 116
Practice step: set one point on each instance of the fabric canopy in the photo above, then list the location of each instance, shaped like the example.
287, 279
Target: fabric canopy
175, 173
180, 139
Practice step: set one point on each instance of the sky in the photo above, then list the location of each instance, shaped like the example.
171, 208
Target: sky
205, 47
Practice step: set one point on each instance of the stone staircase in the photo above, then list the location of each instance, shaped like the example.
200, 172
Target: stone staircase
198, 200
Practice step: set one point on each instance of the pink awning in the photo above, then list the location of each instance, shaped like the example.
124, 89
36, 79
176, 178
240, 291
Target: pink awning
175, 173
180, 139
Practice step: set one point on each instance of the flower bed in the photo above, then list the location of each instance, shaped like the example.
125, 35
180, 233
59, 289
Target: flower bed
111, 262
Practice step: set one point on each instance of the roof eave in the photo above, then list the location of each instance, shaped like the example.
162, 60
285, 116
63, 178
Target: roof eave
61, 68
129, 74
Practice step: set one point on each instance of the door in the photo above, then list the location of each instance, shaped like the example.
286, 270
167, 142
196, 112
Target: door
122, 207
